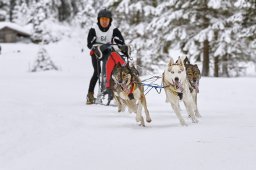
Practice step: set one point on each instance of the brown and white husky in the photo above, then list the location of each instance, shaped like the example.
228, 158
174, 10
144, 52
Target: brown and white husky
128, 92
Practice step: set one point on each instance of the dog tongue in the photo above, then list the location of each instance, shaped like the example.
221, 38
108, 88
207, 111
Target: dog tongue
178, 86
196, 87
197, 90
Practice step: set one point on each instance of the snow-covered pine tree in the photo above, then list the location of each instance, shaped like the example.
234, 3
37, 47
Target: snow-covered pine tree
43, 20
229, 47
43, 61
132, 17
86, 14
200, 29
4, 10
39, 16
21, 13
221, 36
168, 29
247, 33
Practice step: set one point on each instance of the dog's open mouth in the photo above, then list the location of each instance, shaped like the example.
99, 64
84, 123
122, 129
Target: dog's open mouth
177, 84
195, 85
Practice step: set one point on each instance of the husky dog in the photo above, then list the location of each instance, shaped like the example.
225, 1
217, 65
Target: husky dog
128, 92
176, 88
193, 77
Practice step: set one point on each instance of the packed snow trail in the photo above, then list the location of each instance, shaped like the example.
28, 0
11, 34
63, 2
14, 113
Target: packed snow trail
45, 124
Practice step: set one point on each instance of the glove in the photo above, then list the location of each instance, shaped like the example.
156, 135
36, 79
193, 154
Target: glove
118, 41
126, 50
123, 48
105, 47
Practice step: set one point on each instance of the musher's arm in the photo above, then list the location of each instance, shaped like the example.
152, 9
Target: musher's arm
91, 39
117, 37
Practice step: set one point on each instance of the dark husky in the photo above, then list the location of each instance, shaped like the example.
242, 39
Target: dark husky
193, 77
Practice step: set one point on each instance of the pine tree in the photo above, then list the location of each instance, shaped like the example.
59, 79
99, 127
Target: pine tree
132, 17
39, 16
217, 33
198, 28
173, 27
41, 20
43, 62
230, 47
86, 14
21, 13
4, 10
248, 31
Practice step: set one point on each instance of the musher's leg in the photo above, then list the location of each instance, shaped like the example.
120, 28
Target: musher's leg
96, 66
113, 59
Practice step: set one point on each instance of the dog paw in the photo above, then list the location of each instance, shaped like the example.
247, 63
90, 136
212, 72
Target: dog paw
195, 121
142, 125
198, 115
142, 122
183, 123
148, 120
138, 118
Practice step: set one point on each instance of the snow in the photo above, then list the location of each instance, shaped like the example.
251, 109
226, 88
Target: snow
242, 3
45, 124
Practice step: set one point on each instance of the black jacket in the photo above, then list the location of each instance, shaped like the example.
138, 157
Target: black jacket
92, 34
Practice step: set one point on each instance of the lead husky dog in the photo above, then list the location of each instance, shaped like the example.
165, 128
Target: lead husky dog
128, 92
177, 88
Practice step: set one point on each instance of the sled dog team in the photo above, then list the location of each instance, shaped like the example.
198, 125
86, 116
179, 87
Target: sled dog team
180, 79
180, 82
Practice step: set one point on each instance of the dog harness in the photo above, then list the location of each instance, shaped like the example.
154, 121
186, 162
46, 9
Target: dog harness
128, 89
133, 87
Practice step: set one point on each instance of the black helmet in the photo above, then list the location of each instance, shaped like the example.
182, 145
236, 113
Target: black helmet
105, 13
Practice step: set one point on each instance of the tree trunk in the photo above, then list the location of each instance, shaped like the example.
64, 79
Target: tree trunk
65, 11
205, 71
12, 5
136, 18
139, 62
216, 66
225, 72
154, 3
75, 7
166, 47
